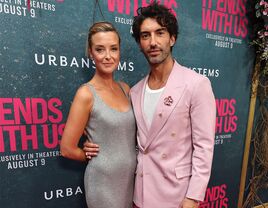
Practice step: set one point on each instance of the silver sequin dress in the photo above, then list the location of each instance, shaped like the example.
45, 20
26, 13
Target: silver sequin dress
109, 177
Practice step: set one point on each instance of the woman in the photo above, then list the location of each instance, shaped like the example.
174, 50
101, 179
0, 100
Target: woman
102, 107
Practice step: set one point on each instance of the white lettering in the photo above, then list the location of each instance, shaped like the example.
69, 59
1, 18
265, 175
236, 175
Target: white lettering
63, 61
36, 59
61, 193
52, 59
74, 62
69, 192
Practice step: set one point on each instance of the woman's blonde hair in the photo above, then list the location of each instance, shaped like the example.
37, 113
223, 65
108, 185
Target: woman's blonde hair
100, 27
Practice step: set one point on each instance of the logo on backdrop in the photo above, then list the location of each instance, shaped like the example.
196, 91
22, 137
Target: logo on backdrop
208, 72
22, 7
74, 62
225, 22
226, 120
26, 125
215, 197
129, 7
62, 193
126, 9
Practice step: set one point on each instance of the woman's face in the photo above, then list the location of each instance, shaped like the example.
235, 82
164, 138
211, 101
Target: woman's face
105, 51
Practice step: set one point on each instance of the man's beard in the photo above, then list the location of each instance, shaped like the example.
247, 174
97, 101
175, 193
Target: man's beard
157, 59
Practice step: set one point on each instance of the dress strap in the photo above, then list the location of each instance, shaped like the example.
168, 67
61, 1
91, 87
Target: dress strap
122, 88
91, 88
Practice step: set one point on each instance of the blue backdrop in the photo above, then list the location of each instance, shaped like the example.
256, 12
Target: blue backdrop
43, 62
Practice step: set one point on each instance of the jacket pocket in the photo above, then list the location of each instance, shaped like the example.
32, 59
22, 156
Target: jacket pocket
183, 171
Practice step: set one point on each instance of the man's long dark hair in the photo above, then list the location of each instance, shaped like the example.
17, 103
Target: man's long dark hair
163, 16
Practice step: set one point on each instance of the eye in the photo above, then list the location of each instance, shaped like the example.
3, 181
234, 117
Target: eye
114, 49
99, 50
160, 33
145, 36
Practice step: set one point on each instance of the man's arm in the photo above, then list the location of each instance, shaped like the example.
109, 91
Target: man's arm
203, 116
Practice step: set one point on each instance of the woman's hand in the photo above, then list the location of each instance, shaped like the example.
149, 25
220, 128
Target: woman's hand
90, 149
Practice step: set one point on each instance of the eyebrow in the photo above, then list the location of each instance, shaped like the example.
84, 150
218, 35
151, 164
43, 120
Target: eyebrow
158, 30
115, 45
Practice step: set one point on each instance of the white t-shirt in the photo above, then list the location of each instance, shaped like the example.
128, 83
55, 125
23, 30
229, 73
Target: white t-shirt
151, 98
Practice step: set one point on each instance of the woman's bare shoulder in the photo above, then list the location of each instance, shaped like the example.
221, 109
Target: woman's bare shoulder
84, 94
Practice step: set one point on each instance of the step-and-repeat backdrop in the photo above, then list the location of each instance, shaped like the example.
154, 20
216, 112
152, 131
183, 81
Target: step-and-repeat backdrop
43, 62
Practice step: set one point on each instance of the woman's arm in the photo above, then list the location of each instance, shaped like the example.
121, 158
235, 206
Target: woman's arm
75, 125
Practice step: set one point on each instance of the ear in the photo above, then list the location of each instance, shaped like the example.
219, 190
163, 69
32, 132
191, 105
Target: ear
172, 41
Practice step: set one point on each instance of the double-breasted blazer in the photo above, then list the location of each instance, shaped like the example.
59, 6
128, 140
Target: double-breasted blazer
176, 160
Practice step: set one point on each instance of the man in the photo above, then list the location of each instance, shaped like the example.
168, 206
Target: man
175, 114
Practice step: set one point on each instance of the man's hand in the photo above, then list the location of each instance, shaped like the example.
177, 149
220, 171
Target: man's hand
189, 203
90, 149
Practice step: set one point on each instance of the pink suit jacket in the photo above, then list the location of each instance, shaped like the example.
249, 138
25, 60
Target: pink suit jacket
176, 161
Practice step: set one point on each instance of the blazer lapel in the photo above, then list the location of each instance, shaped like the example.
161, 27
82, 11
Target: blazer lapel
137, 97
173, 91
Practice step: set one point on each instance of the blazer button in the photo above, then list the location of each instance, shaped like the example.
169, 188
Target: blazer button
160, 115
173, 134
164, 156
141, 175
145, 152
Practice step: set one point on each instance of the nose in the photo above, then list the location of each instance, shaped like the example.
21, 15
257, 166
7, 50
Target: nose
108, 54
153, 40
